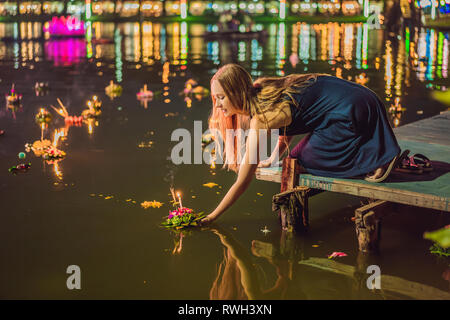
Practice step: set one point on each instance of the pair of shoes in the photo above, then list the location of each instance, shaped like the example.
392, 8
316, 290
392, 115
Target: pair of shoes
416, 164
394, 163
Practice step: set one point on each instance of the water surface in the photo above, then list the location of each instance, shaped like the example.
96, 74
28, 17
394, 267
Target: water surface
85, 210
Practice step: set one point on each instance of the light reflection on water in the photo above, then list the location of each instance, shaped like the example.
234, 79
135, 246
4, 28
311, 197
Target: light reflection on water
85, 209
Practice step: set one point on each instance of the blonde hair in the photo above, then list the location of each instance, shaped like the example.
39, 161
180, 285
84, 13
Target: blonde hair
251, 98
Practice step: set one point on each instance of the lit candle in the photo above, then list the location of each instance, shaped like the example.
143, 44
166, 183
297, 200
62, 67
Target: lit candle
179, 199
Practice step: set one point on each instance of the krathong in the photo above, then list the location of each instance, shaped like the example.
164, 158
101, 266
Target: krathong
41, 88
13, 100
396, 108
191, 88
113, 90
144, 93
20, 168
65, 114
94, 108
43, 116
181, 217
46, 149
53, 153
145, 96
38, 147
65, 27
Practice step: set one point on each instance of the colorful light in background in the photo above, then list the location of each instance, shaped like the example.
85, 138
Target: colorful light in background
184, 42
359, 36
430, 54
282, 9
65, 27
88, 10
388, 70
281, 48
183, 8
89, 51
365, 45
305, 38
118, 54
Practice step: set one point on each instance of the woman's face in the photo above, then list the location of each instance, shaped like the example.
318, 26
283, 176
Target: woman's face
221, 100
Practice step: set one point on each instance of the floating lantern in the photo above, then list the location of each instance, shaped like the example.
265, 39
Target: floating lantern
70, 120
43, 117
13, 100
113, 90
144, 96
191, 87
94, 108
182, 218
41, 88
144, 93
396, 108
20, 168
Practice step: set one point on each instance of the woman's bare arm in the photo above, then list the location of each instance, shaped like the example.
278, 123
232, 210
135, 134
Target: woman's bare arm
246, 173
282, 145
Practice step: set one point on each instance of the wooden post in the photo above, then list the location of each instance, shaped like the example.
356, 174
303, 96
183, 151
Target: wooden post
368, 225
292, 202
293, 209
289, 174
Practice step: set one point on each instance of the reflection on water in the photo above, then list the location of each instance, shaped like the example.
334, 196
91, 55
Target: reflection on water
118, 159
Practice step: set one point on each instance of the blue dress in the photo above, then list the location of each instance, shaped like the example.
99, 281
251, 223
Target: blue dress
349, 132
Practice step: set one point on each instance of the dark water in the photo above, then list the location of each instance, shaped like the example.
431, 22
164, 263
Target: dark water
86, 211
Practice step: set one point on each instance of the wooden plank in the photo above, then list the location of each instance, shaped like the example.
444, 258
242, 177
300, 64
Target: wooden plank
368, 190
429, 190
388, 283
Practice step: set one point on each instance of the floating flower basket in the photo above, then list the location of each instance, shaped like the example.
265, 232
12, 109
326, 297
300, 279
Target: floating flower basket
20, 168
13, 100
113, 90
52, 153
41, 88
43, 117
182, 218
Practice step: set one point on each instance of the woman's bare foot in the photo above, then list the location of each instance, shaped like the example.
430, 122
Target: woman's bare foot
377, 173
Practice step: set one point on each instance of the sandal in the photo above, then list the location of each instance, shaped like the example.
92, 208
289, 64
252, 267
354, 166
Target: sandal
423, 162
394, 162
408, 165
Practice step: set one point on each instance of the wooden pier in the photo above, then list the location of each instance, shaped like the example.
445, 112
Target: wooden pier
430, 137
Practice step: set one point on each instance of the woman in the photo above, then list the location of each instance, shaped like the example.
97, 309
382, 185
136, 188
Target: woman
349, 133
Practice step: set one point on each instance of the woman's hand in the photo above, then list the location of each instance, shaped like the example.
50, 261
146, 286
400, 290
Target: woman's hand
207, 220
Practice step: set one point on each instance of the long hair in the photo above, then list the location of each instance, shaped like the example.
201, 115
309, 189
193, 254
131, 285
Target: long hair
250, 99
